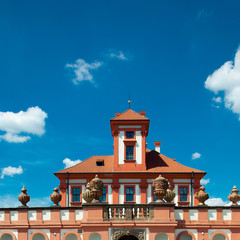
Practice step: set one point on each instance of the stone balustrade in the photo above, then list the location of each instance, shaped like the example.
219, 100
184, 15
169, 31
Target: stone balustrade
55, 222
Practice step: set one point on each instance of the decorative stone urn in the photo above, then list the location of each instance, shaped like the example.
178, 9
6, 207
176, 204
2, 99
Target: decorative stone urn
24, 198
160, 185
56, 197
87, 194
96, 188
201, 196
170, 194
234, 197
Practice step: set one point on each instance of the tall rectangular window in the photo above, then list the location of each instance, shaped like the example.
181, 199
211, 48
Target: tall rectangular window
129, 152
129, 194
155, 198
183, 194
129, 134
103, 198
76, 194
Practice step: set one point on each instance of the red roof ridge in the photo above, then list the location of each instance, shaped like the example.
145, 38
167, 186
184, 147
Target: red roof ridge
129, 115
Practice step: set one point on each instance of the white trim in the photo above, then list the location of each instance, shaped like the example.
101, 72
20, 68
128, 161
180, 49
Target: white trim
150, 180
227, 214
138, 147
129, 180
149, 193
107, 180
175, 200
13, 216
193, 214
2, 216
46, 215
121, 194
110, 195
77, 180
79, 214
178, 214
138, 194
212, 214
64, 215
32, 215
83, 189
121, 147
183, 180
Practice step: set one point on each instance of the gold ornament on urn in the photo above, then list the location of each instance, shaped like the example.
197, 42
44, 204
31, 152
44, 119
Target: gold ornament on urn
56, 197
160, 185
234, 197
96, 188
87, 194
24, 198
201, 196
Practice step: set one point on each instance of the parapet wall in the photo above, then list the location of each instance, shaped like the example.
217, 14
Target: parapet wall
104, 220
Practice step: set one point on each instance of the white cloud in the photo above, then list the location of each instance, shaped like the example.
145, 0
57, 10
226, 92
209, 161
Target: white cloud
217, 99
196, 155
204, 181
11, 171
82, 70
217, 202
226, 79
69, 163
117, 55
31, 121
12, 201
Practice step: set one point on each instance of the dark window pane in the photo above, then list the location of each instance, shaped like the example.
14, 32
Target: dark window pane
76, 194
129, 194
155, 198
129, 152
183, 194
103, 198
129, 134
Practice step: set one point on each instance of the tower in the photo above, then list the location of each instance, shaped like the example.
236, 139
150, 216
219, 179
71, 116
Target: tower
129, 131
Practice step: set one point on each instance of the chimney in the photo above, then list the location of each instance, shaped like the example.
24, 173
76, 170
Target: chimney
142, 113
117, 114
157, 146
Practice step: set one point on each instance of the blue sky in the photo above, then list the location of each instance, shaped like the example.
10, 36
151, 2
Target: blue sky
69, 65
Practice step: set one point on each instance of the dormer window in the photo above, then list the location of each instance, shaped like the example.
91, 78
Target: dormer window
100, 163
130, 134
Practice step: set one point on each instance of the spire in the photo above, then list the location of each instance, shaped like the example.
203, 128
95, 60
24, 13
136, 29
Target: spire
129, 101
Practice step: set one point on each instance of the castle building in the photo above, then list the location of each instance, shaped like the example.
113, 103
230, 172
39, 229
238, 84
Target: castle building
128, 174
129, 209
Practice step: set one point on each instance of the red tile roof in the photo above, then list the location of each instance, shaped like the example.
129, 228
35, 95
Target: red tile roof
129, 115
155, 162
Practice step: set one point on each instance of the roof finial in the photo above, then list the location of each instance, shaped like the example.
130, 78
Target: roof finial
129, 101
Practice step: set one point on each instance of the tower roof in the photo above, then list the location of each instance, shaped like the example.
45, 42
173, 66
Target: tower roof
130, 115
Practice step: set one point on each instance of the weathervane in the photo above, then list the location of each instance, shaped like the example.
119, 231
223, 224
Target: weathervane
129, 101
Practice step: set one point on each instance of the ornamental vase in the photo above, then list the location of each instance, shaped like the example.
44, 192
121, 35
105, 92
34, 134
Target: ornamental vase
234, 197
201, 196
56, 197
24, 198
170, 195
160, 185
96, 188
87, 194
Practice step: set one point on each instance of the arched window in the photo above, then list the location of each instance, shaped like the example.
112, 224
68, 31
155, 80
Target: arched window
161, 236
71, 236
219, 236
38, 236
186, 236
95, 236
6, 236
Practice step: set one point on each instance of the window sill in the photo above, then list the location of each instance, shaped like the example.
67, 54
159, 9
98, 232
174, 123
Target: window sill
129, 161
75, 204
130, 141
129, 202
183, 203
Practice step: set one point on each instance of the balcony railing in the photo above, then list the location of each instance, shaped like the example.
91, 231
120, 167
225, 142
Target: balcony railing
119, 212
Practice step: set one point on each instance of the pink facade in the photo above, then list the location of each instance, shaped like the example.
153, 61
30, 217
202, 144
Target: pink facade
127, 210
98, 221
